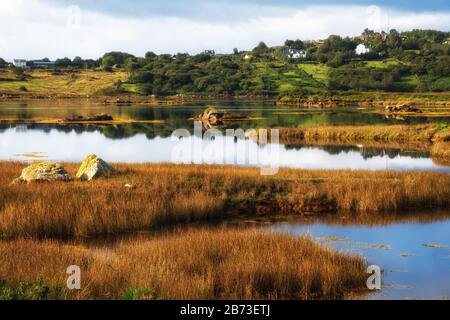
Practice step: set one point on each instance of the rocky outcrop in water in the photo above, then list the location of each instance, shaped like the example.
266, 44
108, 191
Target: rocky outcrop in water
212, 117
93, 167
99, 117
43, 172
402, 107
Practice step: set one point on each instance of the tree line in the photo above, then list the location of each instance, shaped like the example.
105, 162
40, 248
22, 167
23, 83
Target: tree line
416, 60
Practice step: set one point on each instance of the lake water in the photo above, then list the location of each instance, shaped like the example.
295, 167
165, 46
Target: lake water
412, 249
152, 143
414, 256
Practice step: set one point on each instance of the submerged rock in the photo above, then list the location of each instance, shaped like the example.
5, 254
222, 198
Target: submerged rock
94, 167
43, 172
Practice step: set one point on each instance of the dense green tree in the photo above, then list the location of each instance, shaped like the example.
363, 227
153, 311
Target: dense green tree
261, 48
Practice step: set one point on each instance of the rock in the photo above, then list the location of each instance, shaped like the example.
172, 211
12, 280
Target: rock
43, 172
213, 116
402, 107
94, 167
99, 117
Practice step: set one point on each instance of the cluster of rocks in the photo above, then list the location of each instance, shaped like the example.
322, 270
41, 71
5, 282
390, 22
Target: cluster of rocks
92, 167
99, 117
402, 107
214, 117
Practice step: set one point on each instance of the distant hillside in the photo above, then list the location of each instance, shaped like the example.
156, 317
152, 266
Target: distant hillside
413, 61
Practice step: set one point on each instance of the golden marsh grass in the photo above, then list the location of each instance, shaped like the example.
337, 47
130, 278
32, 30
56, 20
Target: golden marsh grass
202, 264
159, 195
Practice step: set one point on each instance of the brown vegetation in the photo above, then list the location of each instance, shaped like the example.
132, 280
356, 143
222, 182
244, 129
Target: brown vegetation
429, 137
158, 195
395, 133
219, 264
441, 152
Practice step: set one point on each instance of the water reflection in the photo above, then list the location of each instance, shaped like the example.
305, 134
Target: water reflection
268, 114
72, 146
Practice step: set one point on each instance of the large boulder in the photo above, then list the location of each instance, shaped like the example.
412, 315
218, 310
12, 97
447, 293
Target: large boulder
43, 172
94, 167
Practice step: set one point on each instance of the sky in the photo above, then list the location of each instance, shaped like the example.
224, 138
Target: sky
34, 29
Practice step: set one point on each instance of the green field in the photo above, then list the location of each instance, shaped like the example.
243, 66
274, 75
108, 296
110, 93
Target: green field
47, 83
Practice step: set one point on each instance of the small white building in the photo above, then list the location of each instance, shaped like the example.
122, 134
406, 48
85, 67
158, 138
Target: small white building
362, 49
20, 63
210, 53
295, 54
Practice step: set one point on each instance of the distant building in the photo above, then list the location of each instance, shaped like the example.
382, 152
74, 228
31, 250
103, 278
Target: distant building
295, 54
34, 64
38, 64
20, 63
362, 49
247, 56
210, 53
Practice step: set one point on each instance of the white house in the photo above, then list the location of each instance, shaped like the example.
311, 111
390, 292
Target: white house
210, 53
362, 49
20, 63
295, 54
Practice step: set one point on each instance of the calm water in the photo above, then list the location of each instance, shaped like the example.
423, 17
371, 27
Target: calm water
176, 117
134, 143
17, 144
422, 273
414, 256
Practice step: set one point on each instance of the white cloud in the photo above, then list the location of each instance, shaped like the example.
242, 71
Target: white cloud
36, 29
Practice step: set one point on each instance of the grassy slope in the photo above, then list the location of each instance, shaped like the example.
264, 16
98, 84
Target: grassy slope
163, 194
287, 79
83, 83
318, 71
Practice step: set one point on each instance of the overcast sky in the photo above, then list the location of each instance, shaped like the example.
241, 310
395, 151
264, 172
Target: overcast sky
35, 29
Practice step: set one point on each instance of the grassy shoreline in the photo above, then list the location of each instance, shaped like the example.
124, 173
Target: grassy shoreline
431, 137
220, 264
163, 195
101, 87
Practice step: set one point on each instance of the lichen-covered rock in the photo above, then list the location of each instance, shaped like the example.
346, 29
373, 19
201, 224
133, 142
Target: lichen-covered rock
43, 172
94, 167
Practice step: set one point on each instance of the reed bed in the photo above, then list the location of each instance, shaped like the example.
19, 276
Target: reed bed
166, 194
393, 133
441, 152
202, 264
